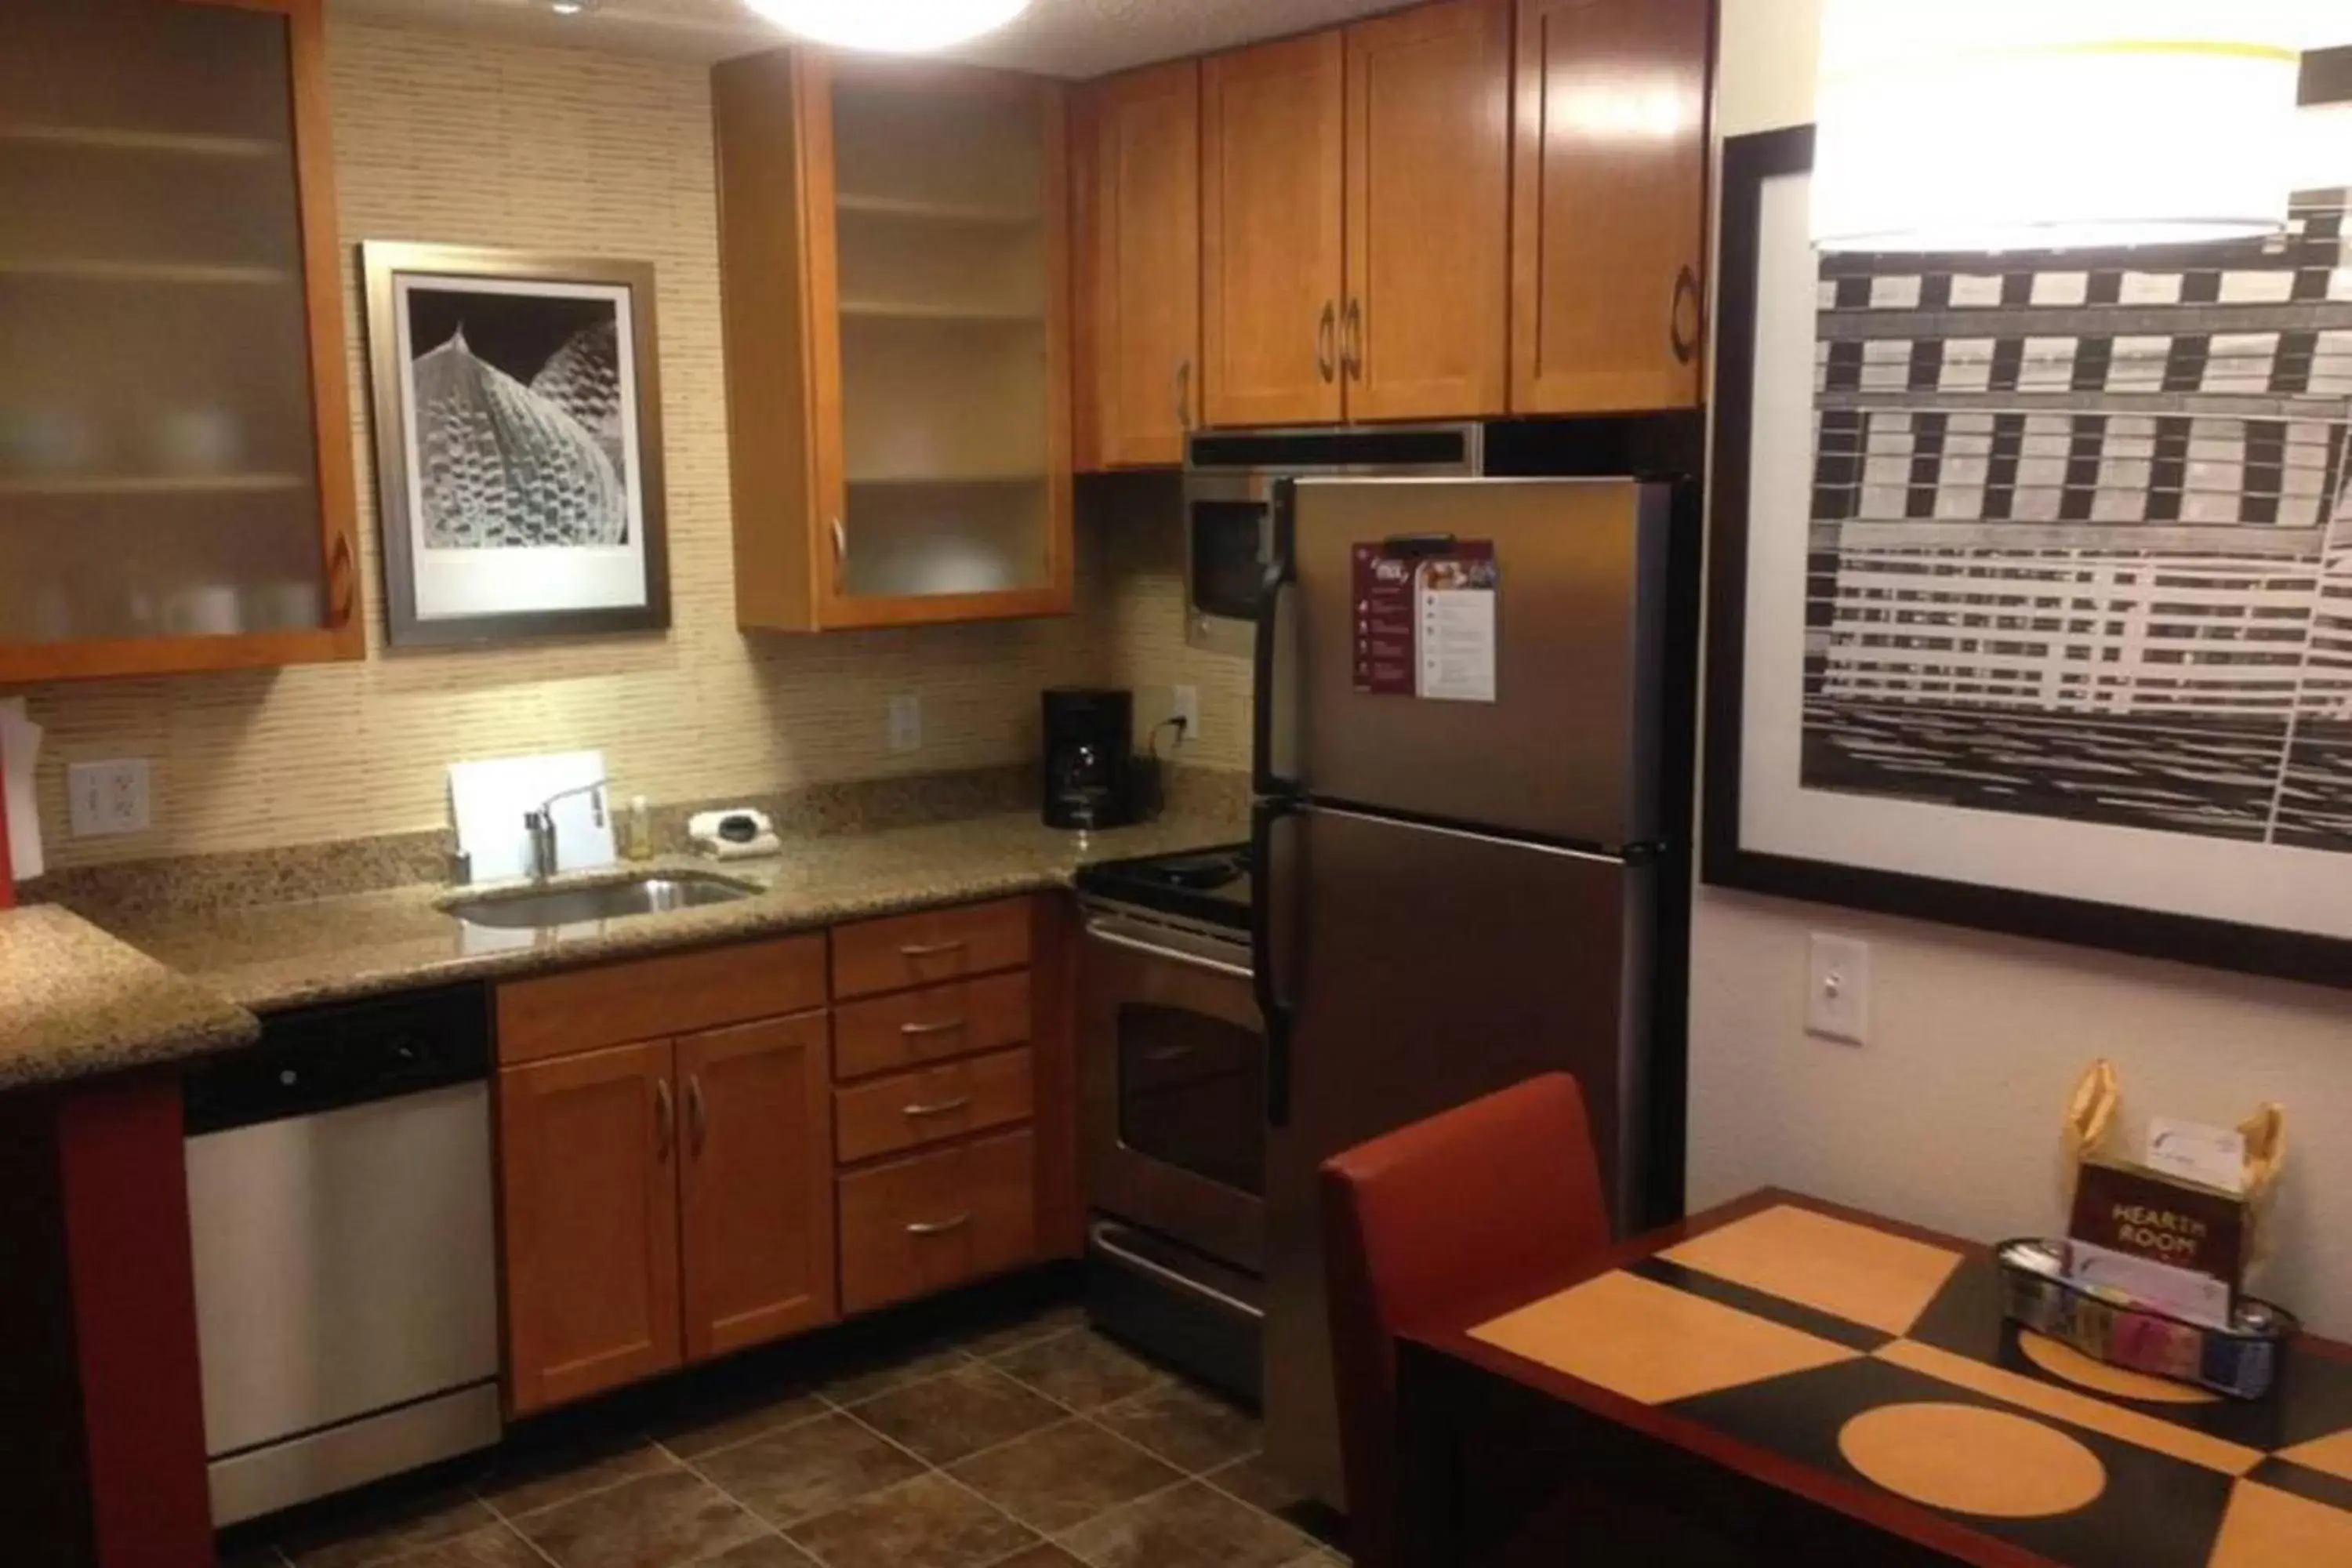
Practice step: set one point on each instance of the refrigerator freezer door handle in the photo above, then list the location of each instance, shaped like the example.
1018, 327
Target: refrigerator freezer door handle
1274, 1008
1279, 575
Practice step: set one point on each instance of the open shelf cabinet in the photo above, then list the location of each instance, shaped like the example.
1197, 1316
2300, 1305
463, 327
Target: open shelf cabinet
894, 242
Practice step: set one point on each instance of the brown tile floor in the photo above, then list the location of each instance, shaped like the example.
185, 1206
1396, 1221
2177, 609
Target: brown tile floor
1035, 1444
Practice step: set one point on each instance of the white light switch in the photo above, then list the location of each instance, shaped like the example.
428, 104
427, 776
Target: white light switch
109, 797
906, 723
1837, 999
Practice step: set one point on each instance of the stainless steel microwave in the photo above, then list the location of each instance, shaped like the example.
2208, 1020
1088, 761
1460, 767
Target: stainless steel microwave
1231, 485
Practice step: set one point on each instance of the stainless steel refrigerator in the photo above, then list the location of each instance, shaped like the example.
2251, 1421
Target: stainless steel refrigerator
1461, 690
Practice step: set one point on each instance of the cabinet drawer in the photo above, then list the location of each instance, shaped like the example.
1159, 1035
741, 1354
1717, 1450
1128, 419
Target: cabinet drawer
927, 948
916, 1027
888, 1114
675, 993
918, 1225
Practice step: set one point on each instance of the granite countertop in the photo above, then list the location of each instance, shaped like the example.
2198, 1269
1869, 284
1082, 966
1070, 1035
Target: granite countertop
76, 1002
272, 956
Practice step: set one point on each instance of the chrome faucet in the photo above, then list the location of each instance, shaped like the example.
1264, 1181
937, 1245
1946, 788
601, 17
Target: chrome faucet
540, 826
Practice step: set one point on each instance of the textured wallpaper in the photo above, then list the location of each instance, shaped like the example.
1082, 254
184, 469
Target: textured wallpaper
458, 139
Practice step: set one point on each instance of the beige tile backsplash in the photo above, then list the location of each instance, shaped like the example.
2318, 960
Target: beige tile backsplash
471, 141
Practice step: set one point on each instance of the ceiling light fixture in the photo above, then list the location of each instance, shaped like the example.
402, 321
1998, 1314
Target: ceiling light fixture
890, 27
2044, 124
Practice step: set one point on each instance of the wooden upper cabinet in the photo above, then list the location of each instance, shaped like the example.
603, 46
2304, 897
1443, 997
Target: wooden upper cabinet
1272, 238
1425, 334
894, 259
588, 1198
1609, 205
755, 1187
1137, 172
177, 488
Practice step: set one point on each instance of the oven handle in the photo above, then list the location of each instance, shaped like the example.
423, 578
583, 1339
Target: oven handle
1103, 933
1169, 1275
1274, 1007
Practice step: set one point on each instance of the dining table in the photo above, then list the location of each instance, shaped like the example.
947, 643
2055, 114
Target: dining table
1784, 1380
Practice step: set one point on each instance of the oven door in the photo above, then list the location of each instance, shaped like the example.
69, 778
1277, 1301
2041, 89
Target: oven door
1174, 1073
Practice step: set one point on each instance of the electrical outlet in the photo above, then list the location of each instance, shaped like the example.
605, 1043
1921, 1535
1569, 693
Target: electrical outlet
109, 797
1837, 998
906, 723
1184, 704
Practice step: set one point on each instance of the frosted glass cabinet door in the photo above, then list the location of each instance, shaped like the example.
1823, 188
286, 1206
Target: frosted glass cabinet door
175, 482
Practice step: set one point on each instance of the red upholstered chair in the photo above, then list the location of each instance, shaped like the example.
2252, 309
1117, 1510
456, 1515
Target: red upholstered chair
1463, 1205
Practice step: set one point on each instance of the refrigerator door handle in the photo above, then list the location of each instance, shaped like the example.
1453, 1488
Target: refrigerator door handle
1280, 574
1274, 1007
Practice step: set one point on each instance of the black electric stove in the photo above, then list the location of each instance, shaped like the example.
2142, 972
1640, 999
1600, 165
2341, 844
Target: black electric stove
1212, 886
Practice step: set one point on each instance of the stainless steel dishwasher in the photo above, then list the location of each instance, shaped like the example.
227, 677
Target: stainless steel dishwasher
340, 1199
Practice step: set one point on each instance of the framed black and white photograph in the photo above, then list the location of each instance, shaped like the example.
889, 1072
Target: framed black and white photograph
517, 421
2030, 581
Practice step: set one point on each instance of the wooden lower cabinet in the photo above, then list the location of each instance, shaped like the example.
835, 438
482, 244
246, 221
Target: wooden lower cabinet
913, 1227
589, 1200
746, 1176
756, 1237
663, 1203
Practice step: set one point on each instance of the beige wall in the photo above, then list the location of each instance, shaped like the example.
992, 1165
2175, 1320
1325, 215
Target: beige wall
467, 140
1949, 1116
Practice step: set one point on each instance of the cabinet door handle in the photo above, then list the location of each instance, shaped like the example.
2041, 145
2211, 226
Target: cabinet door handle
1685, 291
343, 589
945, 1026
1353, 357
1183, 395
1326, 335
840, 545
939, 1226
697, 1117
664, 1118
939, 1108
931, 949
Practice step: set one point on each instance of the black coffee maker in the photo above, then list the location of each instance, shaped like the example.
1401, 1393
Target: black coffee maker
1089, 776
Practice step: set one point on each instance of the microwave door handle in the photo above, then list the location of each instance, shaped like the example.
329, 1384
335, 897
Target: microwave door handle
1279, 574
1273, 1005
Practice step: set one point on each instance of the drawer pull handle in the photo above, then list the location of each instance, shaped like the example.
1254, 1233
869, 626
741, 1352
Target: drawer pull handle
939, 1108
945, 1026
932, 949
939, 1226
1160, 1056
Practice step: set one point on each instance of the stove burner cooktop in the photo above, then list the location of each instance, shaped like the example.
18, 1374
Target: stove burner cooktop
1211, 885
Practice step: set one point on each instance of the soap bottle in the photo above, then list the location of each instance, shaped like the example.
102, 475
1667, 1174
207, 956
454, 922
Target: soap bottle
637, 831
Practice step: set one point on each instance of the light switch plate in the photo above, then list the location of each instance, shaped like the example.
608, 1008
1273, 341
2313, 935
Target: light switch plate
906, 723
109, 798
1837, 989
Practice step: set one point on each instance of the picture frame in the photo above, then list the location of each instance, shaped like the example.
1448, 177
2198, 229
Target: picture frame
2157, 871
519, 448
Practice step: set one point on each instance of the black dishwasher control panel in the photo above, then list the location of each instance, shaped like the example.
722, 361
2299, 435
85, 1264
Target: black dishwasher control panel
347, 1053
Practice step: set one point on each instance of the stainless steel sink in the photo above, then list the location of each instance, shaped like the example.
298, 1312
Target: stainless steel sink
600, 901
